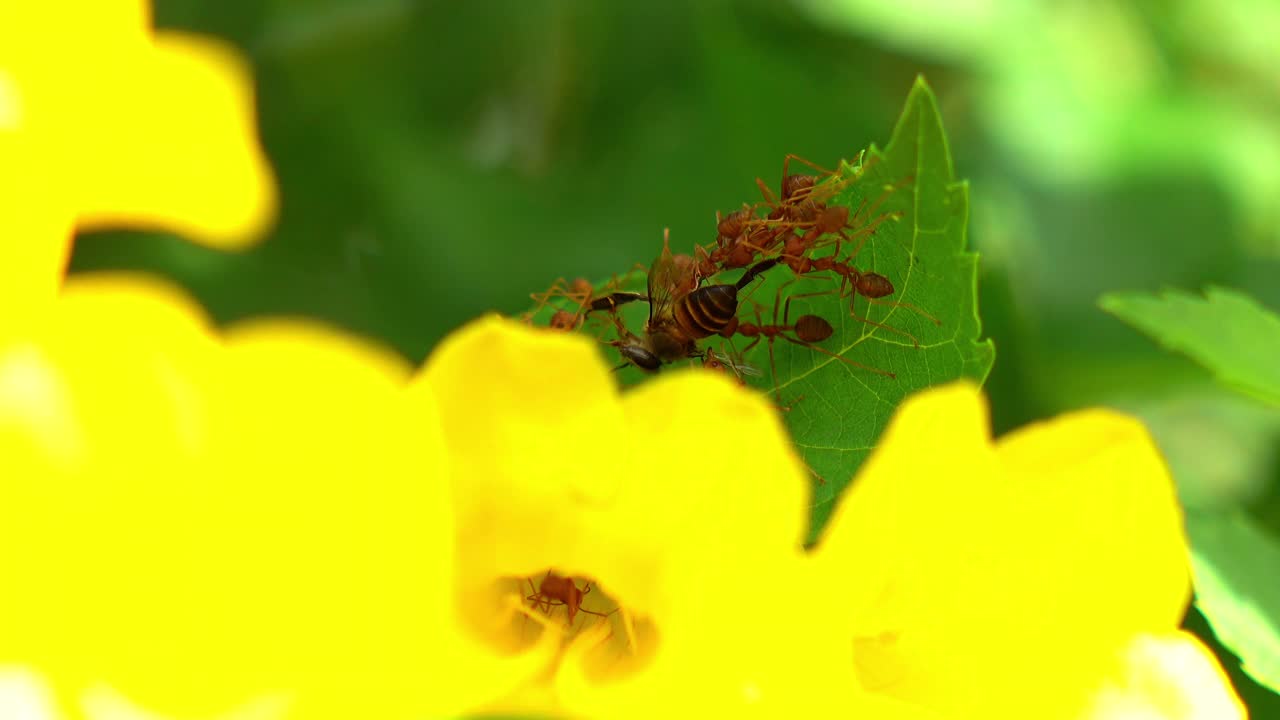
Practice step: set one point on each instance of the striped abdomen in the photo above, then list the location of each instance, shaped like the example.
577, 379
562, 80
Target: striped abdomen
707, 310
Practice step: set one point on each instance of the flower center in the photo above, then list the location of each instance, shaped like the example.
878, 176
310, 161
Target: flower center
610, 641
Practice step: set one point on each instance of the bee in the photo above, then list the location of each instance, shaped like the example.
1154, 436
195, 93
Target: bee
680, 312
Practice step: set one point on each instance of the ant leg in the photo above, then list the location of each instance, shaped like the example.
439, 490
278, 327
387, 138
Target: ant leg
611, 301
814, 473
558, 288
533, 592
637, 268
866, 231
773, 368
888, 328
769, 199
908, 306
786, 306
792, 156
809, 192
777, 300
773, 363
597, 613
524, 625
786, 309
841, 358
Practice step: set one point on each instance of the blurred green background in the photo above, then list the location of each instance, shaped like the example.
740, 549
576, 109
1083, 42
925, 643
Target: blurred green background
442, 159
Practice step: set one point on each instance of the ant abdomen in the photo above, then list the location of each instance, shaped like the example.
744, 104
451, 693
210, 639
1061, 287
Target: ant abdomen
874, 285
811, 328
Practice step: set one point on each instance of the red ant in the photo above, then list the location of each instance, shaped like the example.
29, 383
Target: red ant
558, 590
817, 219
738, 242
806, 332
872, 286
579, 292
742, 237
796, 190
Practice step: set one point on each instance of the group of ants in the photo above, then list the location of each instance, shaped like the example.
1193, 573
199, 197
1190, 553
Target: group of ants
794, 229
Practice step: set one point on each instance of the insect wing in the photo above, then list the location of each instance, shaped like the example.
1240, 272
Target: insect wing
663, 277
735, 363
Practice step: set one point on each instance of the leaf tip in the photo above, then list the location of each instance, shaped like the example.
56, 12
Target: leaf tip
1111, 302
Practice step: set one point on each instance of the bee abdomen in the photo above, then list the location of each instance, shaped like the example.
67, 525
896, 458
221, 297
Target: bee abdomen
708, 310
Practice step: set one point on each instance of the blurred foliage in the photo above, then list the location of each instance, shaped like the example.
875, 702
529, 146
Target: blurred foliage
1235, 560
1227, 332
1236, 589
443, 159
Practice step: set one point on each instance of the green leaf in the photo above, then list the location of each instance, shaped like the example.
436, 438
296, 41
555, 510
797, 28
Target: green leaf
837, 410
844, 410
1227, 332
1237, 589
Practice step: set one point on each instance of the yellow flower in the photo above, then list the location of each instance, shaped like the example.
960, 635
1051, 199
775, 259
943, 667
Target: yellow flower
283, 521
1037, 577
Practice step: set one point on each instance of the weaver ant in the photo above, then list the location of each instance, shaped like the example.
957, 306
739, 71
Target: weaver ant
816, 219
557, 591
806, 331
580, 293
870, 285
742, 237
794, 190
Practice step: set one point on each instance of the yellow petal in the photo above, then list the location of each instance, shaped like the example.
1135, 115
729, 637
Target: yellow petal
1113, 546
1166, 677
145, 132
25, 696
203, 525
714, 493
186, 157
112, 379
987, 579
529, 421
35, 218
908, 504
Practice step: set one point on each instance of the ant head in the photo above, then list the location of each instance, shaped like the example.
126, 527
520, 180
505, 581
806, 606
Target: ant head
733, 224
564, 320
582, 287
